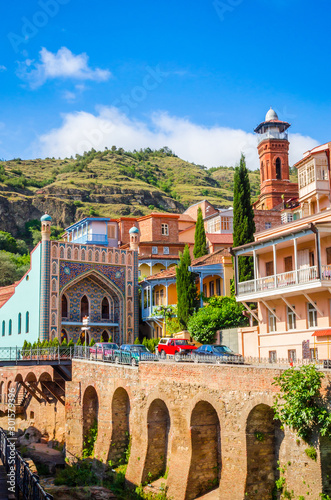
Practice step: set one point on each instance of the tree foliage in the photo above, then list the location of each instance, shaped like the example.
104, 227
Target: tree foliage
243, 218
219, 313
200, 242
300, 404
187, 300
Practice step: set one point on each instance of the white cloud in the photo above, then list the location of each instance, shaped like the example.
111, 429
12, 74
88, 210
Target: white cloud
3, 68
209, 146
62, 64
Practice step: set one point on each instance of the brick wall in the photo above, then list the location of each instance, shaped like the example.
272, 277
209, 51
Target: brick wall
261, 217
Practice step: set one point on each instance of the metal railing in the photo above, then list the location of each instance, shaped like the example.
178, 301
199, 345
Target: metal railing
18, 354
117, 356
20, 478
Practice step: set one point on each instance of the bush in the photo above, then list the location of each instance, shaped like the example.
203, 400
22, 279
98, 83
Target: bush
80, 474
311, 453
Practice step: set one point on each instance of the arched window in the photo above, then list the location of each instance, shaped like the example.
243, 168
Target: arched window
123, 258
84, 307
69, 253
278, 169
105, 308
19, 323
76, 254
116, 258
61, 253
129, 275
104, 336
64, 336
103, 257
3, 328
54, 268
90, 255
27, 318
64, 306
129, 290
83, 255
97, 256
10, 327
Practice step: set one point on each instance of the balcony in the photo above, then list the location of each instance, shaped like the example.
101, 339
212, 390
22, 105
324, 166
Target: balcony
283, 283
92, 239
151, 312
272, 135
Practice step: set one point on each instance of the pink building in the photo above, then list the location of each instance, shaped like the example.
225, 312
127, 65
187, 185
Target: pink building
292, 274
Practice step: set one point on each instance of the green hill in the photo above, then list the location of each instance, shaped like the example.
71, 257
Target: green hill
109, 183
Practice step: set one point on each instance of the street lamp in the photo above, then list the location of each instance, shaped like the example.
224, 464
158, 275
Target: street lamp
85, 328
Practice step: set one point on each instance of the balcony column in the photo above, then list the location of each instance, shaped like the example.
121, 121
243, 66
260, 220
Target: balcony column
317, 203
201, 289
166, 287
255, 269
295, 260
309, 207
275, 263
151, 298
236, 274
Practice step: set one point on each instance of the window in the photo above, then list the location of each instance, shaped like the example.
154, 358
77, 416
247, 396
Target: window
205, 290
211, 289
226, 224
312, 316
269, 268
105, 308
272, 322
313, 354
272, 356
165, 250
111, 232
64, 306
291, 319
3, 328
19, 323
84, 307
328, 255
154, 250
288, 265
10, 327
27, 321
165, 229
278, 169
214, 225
292, 355
267, 225
218, 287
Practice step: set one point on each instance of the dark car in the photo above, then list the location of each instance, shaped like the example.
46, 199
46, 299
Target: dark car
103, 350
133, 353
216, 354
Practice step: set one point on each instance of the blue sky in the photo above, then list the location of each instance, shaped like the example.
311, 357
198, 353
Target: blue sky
195, 75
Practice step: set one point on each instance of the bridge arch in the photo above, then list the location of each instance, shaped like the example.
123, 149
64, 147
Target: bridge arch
120, 416
90, 419
158, 427
205, 467
263, 438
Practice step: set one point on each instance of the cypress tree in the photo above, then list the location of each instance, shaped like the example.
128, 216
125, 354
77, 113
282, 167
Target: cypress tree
187, 301
243, 218
200, 243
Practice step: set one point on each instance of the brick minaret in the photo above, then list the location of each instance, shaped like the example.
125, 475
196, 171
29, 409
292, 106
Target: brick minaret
273, 151
46, 221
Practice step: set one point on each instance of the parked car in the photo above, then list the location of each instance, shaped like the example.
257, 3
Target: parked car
103, 348
175, 347
216, 354
133, 353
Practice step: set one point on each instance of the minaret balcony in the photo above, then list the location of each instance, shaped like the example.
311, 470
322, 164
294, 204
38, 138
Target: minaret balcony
272, 134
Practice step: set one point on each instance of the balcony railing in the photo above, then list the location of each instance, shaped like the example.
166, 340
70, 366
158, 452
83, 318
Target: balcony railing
96, 239
272, 135
282, 280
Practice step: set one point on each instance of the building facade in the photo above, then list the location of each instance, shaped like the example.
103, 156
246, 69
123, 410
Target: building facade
82, 276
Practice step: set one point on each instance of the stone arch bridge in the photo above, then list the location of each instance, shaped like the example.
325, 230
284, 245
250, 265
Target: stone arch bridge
201, 427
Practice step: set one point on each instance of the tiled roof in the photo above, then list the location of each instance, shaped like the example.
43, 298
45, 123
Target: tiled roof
220, 238
6, 292
167, 273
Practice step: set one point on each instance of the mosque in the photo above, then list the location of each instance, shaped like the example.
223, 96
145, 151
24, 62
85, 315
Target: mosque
82, 276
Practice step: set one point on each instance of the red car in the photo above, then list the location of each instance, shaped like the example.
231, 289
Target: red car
174, 347
103, 348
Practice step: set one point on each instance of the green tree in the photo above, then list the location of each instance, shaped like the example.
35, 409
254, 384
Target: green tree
219, 313
187, 300
300, 404
200, 243
7, 242
8, 271
243, 218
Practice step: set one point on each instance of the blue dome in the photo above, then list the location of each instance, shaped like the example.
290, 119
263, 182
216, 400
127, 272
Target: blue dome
133, 230
45, 217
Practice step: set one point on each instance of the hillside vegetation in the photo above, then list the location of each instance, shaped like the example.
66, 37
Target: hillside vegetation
110, 183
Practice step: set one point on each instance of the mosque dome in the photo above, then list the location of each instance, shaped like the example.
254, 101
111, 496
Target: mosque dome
134, 230
45, 217
271, 115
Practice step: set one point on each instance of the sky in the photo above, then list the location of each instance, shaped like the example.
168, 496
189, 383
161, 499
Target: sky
194, 75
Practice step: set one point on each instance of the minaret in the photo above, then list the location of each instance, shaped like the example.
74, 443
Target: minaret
273, 148
44, 326
134, 238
